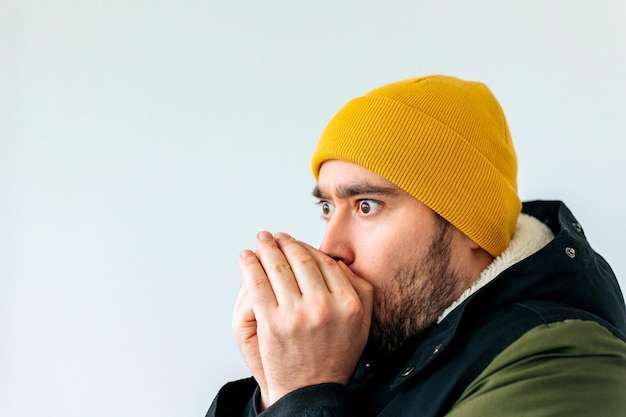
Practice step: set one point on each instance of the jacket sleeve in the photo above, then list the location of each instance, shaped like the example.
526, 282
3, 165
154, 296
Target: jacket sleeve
235, 399
572, 368
239, 399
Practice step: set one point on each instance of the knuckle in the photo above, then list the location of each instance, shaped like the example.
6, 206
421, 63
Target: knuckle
304, 259
294, 251
257, 283
237, 331
352, 307
314, 314
297, 318
281, 267
320, 312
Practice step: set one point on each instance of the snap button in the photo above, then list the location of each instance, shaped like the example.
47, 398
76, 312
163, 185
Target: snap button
571, 252
408, 371
577, 226
437, 348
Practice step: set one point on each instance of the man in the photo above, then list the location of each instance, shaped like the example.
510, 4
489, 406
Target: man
434, 291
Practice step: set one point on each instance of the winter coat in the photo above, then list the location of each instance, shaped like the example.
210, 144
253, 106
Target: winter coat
545, 337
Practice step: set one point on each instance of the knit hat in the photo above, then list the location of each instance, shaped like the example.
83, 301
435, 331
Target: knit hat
443, 140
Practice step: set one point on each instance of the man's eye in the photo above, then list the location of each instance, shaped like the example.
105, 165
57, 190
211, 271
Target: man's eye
367, 207
327, 209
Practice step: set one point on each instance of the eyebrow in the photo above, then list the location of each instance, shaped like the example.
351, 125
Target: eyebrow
353, 190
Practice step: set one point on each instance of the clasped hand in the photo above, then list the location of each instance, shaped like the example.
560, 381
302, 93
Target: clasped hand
301, 318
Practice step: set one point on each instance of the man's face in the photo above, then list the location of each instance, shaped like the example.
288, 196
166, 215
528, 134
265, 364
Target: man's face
396, 243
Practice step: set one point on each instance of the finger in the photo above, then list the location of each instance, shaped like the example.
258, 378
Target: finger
277, 269
364, 289
347, 283
243, 310
305, 269
335, 278
258, 290
244, 320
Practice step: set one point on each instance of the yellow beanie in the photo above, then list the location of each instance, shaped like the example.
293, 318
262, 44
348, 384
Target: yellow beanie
443, 140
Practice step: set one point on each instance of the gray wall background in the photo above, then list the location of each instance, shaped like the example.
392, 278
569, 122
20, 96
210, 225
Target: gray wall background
143, 143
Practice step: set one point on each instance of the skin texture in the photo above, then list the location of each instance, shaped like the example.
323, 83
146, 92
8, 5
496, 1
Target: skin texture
386, 269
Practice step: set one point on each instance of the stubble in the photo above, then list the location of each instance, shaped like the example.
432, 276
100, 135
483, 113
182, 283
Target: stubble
419, 292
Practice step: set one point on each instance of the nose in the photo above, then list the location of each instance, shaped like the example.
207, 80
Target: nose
337, 241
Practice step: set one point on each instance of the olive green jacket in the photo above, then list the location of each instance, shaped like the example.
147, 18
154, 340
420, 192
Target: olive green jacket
568, 368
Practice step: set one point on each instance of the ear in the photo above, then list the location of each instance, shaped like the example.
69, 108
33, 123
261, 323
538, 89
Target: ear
477, 251
468, 242
473, 245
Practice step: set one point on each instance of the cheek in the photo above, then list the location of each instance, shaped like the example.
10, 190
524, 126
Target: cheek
383, 251
378, 256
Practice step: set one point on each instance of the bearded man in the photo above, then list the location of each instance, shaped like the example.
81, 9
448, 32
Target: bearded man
435, 291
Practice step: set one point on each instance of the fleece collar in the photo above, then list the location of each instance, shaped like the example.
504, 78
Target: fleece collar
530, 236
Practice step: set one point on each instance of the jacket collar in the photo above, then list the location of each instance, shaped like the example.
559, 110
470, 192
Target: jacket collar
530, 236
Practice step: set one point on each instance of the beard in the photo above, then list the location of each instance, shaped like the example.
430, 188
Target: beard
415, 297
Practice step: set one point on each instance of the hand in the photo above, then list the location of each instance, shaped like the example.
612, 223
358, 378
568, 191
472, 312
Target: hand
244, 327
312, 316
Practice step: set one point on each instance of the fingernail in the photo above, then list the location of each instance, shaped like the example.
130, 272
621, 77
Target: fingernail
264, 235
282, 235
246, 253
